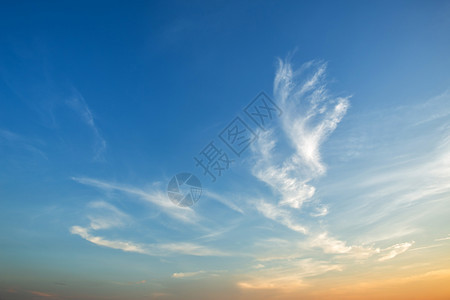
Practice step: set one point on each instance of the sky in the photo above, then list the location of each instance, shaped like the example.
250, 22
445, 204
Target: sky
313, 139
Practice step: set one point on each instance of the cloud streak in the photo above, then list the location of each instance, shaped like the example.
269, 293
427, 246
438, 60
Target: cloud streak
288, 274
107, 216
155, 197
186, 274
161, 249
280, 215
395, 250
12, 139
310, 116
79, 105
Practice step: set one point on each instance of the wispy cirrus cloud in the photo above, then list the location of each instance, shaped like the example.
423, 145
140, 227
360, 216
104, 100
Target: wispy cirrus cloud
443, 239
320, 211
160, 249
224, 200
311, 114
13, 139
107, 216
186, 274
79, 105
332, 245
114, 244
190, 249
41, 294
287, 274
395, 250
405, 177
155, 197
280, 215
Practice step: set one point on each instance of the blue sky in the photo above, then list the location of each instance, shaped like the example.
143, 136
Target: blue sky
102, 103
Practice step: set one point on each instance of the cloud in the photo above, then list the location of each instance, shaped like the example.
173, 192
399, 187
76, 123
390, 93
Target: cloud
121, 245
155, 197
426, 247
12, 139
293, 272
443, 239
332, 245
258, 266
41, 294
215, 234
188, 274
106, 216
224, 200
396, 190
310, 115
406, 170
279, 215
287, 274
320, 211
395, 250
78, 104
190, 249
162, 249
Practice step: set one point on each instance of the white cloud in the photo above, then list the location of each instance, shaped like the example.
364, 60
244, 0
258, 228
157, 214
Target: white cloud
224, 200
279, 215
393, 197
287, 274
156, 197
187, 274
121, 245
161, 249
395, 250
332, 245
78, 104
189, 249
320, 211
12, 139
310, 114
106, 216
443, 239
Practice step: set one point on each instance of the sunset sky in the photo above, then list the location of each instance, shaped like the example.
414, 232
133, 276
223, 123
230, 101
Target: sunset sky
335, 184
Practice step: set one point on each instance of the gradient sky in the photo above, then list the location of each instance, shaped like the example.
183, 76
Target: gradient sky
344, 194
